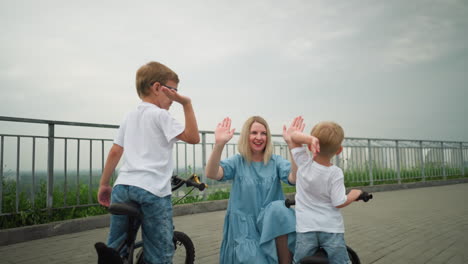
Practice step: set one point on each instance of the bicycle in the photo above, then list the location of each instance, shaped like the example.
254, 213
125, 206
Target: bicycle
124, 254
320, 257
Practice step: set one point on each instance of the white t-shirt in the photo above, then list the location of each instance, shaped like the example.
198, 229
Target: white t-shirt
319, 189
147, 135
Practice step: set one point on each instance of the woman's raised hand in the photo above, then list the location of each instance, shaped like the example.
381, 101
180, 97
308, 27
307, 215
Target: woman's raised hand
223, 132
296, 125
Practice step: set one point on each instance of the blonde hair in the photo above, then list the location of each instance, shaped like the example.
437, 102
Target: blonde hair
330, 136
153, 72
243, 145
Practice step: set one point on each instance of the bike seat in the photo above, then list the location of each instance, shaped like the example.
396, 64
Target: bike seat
320, 257
130, 209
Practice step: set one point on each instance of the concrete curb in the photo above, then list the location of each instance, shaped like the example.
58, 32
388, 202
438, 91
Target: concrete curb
394, 187
22, 234
27, 233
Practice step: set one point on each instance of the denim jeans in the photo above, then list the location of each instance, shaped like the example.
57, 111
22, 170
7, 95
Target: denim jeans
157, 228
333, 243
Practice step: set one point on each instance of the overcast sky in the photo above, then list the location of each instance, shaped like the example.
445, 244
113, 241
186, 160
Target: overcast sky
382, 69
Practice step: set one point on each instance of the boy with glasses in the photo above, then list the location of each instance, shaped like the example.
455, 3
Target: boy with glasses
145, 139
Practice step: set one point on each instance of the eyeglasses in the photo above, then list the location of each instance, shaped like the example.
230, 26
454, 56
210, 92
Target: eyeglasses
169, 87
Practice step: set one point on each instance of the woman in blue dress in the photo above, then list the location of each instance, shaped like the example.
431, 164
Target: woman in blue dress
258, 228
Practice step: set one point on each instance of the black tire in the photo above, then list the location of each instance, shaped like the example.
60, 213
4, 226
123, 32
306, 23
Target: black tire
353, 256
184, 250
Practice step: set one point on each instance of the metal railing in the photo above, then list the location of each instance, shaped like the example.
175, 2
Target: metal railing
70, 173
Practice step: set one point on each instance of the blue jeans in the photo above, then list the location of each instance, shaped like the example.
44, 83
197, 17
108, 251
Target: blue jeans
157, 228
333, 243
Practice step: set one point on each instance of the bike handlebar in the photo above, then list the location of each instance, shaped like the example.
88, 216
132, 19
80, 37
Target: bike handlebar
365, 196
289, 202
194, 181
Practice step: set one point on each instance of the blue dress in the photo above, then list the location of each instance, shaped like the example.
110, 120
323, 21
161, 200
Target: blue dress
256, 213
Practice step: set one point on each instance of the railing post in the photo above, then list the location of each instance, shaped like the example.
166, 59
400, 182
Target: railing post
203, 152
90, 183
50, 167
1, 172
371, 179
33, 169
78, 171
18, 183
398, 161
202, 176
444, 174
462, 161
65, 172
102, 156
194, 162
185, 159
337, 160
423, 176
177, 159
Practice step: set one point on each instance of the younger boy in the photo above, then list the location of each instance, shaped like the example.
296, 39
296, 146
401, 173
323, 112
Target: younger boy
320, 191
145, 139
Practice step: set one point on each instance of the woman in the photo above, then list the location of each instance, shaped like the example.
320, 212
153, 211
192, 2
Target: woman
255, 227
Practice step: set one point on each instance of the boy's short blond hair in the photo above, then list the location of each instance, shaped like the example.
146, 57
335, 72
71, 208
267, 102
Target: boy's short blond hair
243, 145
153, 72
330, 136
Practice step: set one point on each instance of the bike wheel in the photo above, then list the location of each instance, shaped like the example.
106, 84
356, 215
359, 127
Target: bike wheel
184, 250
353, 256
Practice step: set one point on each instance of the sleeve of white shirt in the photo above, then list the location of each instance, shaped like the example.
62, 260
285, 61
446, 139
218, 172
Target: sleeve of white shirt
170, 127
300, 155
119, 138
338, 190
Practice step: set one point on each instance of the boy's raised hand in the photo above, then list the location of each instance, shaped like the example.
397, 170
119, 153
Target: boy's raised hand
175, 96
296, 125
223, 132
314, 146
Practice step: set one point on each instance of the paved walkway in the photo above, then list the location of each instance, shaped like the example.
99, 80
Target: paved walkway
424, 225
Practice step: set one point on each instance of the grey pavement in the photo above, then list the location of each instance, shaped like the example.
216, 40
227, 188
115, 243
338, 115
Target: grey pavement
421, 225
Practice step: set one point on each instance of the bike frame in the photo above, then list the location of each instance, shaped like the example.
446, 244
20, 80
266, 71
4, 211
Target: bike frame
132, 230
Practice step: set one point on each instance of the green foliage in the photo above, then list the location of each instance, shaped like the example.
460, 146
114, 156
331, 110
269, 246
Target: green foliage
187, 199
22, 210
288, 188
31, 211
218, 195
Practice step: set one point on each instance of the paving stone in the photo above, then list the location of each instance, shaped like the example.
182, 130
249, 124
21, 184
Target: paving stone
418, 225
